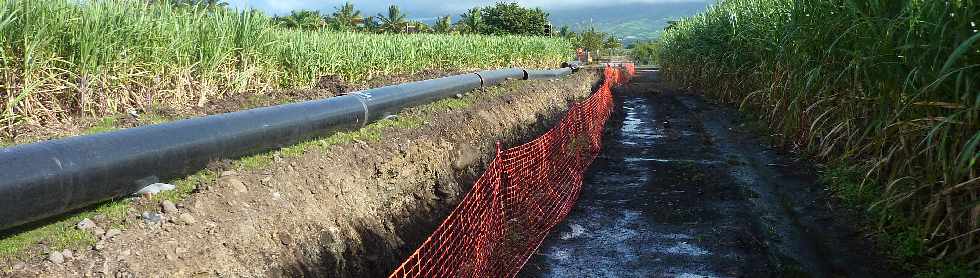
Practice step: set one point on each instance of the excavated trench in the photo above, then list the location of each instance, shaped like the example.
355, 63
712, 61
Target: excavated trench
680, 190
354, 209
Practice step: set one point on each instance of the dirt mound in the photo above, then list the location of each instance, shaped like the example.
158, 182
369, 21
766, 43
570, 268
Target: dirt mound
354, 209
333, 84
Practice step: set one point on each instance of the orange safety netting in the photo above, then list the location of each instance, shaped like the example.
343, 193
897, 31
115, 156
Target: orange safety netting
525, 191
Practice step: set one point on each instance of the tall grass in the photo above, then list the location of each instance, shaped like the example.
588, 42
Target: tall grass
888, 85
62, 58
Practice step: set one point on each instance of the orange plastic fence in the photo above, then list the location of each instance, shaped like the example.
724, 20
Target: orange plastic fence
525, 191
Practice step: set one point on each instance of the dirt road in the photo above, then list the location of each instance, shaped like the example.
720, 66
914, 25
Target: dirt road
681, 190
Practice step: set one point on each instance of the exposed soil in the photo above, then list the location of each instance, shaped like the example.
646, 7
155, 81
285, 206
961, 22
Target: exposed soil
355, 210
326, 86
681, 190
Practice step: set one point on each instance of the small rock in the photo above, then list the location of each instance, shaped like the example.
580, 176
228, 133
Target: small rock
187, 219
155, 188
99, 245
112, 233
44, 246
459, 95
133, 113
228, 173
168, 206
234, 183
98, 232
86, 224
276, 195
21, 266
56, 257
152, 218
284, 238
67, 254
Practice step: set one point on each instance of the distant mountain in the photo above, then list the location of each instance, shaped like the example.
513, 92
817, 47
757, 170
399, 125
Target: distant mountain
631, 22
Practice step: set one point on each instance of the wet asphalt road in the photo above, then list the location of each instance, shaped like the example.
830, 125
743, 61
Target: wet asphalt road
679, 191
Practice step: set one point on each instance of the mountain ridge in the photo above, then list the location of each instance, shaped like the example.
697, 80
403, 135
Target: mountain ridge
631, 22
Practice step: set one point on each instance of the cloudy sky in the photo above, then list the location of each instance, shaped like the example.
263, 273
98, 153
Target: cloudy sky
426, 8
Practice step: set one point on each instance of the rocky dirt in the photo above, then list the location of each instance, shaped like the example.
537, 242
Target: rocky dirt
681, 189
354, 210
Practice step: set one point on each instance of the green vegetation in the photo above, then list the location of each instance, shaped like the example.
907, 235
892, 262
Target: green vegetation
888, 88
645, 53
393, 22
602, 44
499, 19
64, 58
503, 18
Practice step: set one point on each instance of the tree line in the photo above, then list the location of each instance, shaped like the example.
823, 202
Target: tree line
498, 19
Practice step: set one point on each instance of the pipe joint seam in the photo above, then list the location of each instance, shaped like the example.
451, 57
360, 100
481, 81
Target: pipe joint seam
363, 98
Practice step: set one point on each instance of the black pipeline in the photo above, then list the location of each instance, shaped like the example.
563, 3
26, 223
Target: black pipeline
49, 178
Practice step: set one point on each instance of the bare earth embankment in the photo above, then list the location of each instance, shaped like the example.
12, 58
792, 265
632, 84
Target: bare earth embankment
354, 206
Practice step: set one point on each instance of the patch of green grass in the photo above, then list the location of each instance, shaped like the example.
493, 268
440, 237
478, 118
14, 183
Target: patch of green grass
61, 234
152, 119
899, 238
104, 124
187, 185
947, 270
254, 161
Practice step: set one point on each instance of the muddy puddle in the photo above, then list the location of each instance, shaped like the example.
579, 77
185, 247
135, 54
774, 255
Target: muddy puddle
680, 191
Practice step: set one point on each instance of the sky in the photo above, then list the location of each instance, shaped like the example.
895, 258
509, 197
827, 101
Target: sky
425, 8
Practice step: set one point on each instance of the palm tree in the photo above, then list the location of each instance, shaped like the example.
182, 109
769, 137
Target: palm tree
443, 25
471, 21
211, 4
419, 27
565, 32
370, 24
592, 40
346, 18
611, 44
304, 19
394, 22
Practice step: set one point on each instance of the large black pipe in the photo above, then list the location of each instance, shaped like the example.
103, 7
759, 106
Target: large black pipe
548, 74
494, 77
49, 178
